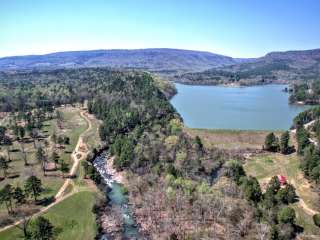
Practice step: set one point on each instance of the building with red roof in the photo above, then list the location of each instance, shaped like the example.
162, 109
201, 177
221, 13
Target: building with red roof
282, 179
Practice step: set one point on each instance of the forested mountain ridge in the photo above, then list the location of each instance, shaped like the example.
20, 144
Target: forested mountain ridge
162, 60
192, 67
275, 67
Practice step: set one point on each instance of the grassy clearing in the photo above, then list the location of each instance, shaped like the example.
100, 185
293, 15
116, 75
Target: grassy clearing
230, 139
73, 218
265, 166
73, 126
92, 138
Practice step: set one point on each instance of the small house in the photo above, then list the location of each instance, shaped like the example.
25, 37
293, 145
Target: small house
282, 179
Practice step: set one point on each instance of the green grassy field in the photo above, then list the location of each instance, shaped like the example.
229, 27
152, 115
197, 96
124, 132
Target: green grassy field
73, 126
73, 216
73, 219
92, 138
265, 166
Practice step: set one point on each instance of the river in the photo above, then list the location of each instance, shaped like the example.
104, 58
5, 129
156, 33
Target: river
117, 199
264, 107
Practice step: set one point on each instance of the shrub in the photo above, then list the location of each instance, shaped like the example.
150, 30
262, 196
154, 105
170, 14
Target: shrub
287, 215
316, 219
234, 170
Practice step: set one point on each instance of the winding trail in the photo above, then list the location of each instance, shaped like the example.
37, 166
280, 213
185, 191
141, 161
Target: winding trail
77, 155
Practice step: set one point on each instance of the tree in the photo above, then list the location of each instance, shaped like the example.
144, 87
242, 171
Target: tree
269, 197
274, 233
33, 185
234, 170
34, 135
287, 215
271, 143
198, 144
19, 196
4, 166
54, 138
274, 185
64, 167
55, 158
287, 194
42, 229
41, 157
22, 132
2, 133
85, 166
6, 195
284, 142
302, 139
252, 190
24, 155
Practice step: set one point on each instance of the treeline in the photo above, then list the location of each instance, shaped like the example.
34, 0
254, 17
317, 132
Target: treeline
258, 72
274, 144
308, 139
308, 93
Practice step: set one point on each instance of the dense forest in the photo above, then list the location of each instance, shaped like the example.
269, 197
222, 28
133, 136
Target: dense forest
25, 90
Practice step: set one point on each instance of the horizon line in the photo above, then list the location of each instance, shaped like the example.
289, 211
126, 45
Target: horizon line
155, 48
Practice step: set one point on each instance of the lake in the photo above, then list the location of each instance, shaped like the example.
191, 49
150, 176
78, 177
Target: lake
217, 107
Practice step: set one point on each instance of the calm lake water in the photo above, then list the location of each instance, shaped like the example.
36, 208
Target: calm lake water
217, 107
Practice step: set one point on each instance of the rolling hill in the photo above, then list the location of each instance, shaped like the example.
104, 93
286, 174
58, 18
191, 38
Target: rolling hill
160, 60
275, 67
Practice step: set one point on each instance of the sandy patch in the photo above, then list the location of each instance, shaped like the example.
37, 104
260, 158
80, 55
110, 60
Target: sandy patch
117, 176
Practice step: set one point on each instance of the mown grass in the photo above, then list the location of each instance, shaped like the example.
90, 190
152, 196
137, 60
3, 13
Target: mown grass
73, 219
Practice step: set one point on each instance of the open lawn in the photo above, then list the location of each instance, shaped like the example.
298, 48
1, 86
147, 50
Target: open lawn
265, 166
73, 218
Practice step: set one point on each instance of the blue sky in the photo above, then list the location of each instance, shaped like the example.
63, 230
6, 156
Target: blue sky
238, 28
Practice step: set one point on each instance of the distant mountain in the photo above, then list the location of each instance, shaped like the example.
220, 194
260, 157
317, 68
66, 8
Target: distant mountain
155, 60
275, 67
